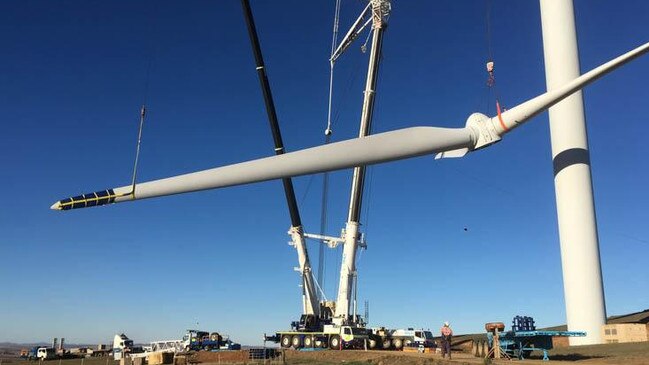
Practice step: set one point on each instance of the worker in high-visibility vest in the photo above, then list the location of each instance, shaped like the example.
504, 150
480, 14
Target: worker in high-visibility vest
447, 334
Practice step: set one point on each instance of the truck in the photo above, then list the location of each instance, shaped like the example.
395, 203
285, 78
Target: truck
385, 339
46, 353
203, 340
32, 353
122, 346
331, 336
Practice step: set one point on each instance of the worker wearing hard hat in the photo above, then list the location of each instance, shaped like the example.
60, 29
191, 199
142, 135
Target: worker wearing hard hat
447, 334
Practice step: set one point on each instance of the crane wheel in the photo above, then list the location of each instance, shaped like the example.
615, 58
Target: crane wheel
285, 342
296, 341
492, 326
371, 343
308, 341
334, 342
320, 344
386, 343
215, 336
397, 343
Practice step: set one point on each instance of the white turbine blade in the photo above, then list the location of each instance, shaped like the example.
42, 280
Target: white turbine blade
514, 117
490, 130
382, 147
480, 131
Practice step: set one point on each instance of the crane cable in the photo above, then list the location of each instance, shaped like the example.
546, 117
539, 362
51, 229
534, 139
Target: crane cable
490, 65
334, 40
145, 95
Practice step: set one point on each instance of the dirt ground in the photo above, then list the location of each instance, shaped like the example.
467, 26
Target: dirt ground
631, 354
626, 353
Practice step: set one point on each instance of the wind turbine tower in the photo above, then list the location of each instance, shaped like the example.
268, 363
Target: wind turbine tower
580, 260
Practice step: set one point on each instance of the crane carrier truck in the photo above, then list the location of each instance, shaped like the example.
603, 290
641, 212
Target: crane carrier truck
325, 323
382, 338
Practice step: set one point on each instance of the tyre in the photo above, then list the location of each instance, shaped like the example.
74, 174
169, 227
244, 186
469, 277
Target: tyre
320, 344
285, 341
386, 343
296, 341
334, 342
308, 341
397, 343
215, 336
371, 343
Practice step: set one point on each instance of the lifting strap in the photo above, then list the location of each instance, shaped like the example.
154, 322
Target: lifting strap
490, 66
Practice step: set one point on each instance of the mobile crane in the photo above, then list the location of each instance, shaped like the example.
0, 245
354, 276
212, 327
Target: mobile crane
326, 323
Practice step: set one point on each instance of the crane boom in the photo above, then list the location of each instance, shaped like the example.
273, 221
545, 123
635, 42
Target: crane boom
310, 303
379, 11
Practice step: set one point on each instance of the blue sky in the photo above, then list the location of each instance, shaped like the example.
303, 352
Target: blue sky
73, 77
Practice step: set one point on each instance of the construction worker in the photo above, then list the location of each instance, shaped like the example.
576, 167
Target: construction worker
447, 334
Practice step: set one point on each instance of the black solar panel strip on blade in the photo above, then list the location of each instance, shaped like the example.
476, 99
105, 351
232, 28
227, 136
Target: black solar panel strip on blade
92, 199
111, 195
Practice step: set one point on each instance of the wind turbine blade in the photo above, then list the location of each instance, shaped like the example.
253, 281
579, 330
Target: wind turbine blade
516, 116
382, 147
480, 131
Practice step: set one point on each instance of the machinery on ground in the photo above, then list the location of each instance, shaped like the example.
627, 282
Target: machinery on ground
382, 338
166, 346
46, 353
122, 346
522, 339
326, 323
32, 353
331, 336
208, 341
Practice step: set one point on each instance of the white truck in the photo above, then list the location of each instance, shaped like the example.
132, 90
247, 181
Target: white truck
46, 353
385, 339
122, 345
332, 336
